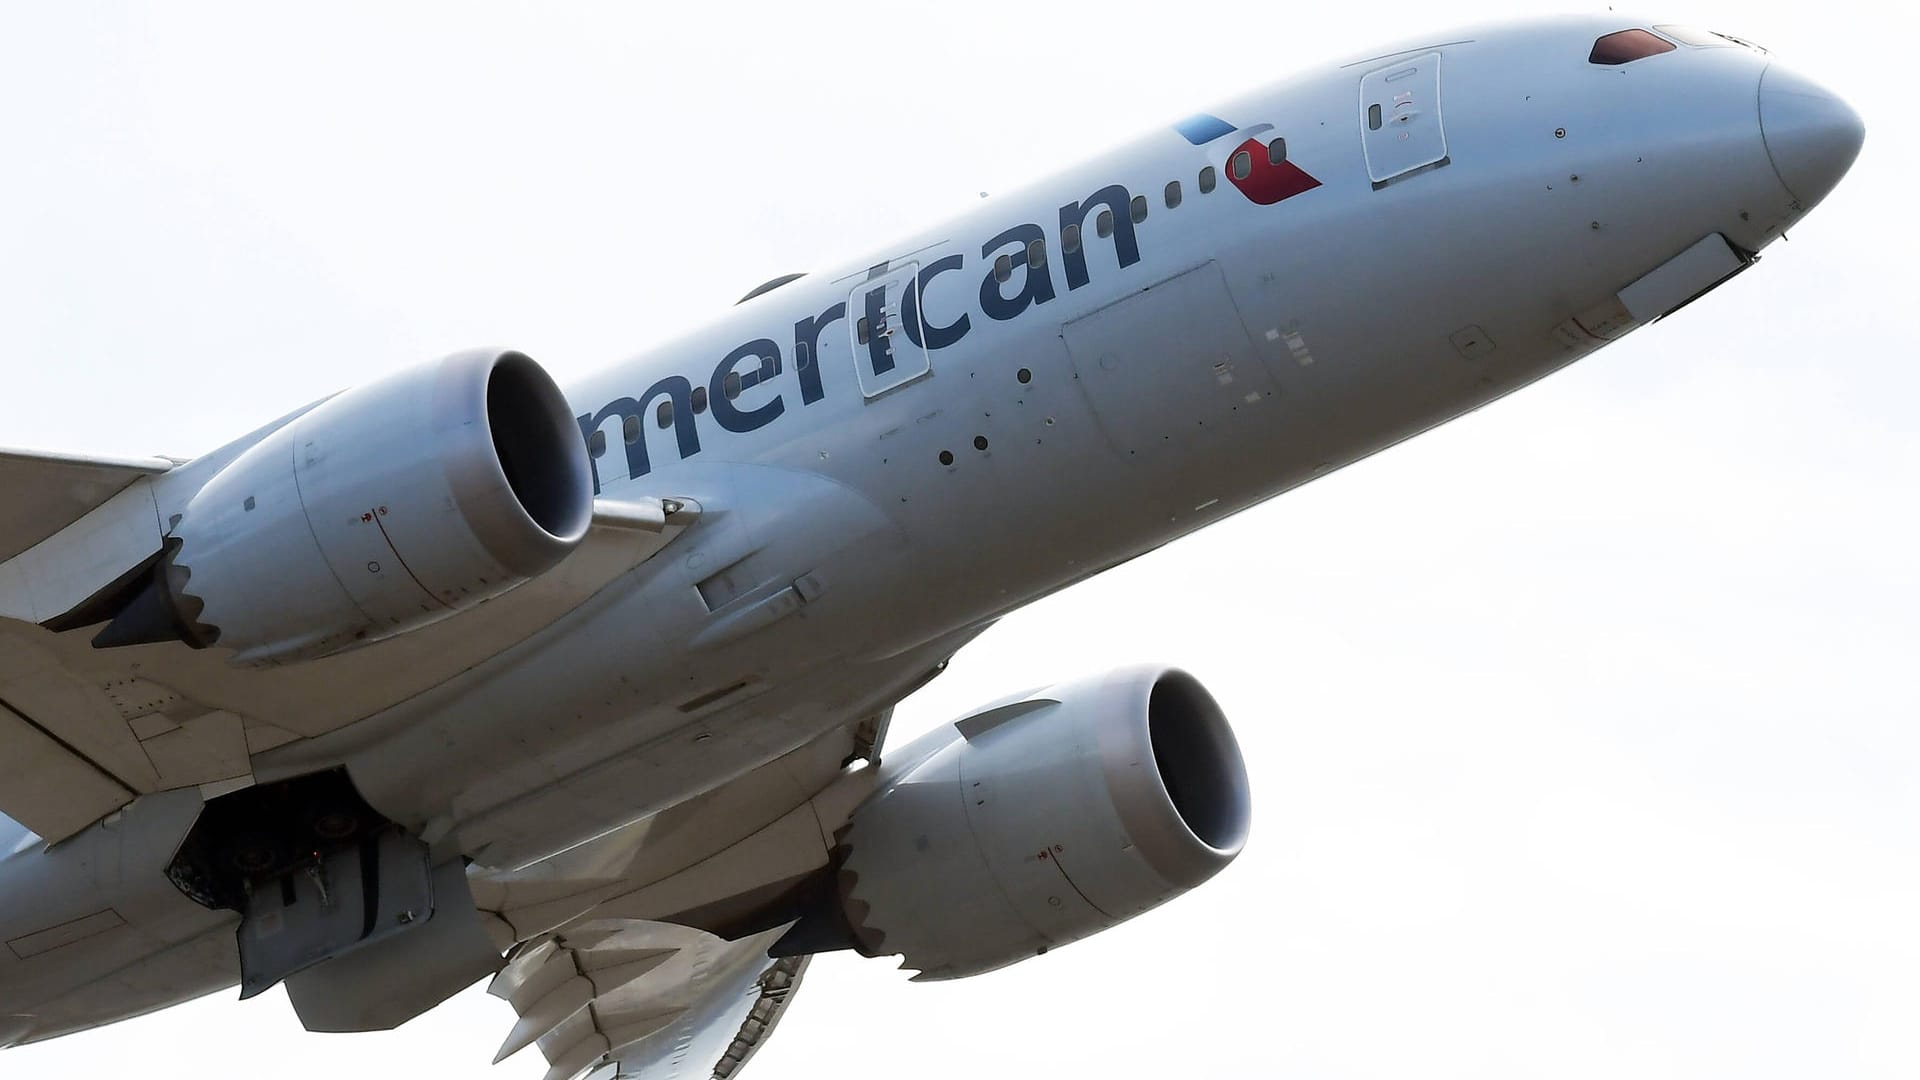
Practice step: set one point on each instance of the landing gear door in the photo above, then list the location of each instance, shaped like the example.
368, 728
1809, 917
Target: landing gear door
340, 901
1400, 119
884, 314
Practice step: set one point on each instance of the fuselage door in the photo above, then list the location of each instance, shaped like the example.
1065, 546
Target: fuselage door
884, 315
1400, 119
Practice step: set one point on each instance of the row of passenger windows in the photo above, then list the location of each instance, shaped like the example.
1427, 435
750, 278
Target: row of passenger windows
732, 386
1240, 166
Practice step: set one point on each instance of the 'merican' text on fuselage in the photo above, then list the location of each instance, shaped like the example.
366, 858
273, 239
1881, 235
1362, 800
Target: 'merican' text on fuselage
761, 360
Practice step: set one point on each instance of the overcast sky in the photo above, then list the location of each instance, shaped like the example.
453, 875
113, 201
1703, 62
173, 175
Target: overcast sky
1582, 732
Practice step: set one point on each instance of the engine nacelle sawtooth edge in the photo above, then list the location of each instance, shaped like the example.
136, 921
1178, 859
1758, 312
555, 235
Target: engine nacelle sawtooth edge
383, 509
1041, 820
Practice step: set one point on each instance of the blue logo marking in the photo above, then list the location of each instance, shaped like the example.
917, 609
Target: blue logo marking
1202, 128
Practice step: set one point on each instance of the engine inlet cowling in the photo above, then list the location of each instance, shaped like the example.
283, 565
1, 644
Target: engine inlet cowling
1042, 820
386, 508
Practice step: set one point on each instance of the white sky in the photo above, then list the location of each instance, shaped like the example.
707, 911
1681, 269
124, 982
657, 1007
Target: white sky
1583, 732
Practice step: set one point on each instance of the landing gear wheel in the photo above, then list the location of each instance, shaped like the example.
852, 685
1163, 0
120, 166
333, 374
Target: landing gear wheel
253, 854
335, 823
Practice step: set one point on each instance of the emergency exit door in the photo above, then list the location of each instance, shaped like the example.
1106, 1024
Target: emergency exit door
883, 313
1400, 119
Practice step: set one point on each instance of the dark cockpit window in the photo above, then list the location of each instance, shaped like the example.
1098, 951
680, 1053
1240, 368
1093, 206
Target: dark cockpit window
1627, 46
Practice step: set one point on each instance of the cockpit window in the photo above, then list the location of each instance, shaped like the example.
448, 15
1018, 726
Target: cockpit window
1627, 46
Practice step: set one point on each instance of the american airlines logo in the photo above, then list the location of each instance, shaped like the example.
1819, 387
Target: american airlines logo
1259, 170
1014, 281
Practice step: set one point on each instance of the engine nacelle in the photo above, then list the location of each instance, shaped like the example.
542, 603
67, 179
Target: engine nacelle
386, 508
1042, 820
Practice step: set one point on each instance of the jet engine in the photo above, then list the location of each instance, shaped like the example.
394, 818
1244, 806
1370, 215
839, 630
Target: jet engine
1041, 820
383, 509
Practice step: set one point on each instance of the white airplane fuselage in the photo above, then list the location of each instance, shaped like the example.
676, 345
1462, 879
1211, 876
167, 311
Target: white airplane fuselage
891, 454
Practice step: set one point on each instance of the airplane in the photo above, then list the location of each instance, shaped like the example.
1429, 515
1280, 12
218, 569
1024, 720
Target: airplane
461, 675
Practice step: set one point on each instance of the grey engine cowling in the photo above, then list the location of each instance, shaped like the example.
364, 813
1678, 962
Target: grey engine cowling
383, 509
1042, 820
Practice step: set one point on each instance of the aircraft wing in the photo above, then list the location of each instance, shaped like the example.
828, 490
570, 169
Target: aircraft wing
46, 492
637, 1000
45, 783
85, 731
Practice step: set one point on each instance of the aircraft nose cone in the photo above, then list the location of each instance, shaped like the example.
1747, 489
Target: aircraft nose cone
1811, 135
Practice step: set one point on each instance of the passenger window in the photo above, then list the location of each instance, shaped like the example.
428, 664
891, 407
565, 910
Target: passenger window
1373, 118
731, 385
1139, 209
663, 416
630, 428
1070, 239
802, 356
1037, 254
1627, 46
1242, 164
699, 400
1003, 269
1103, 224
1277, 152
863, 330
1173, 194
597, 444
1206, 180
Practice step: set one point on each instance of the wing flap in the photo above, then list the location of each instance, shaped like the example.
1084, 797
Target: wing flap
80, 714
46, 786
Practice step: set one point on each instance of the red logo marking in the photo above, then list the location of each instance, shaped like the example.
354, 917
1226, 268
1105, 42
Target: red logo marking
1265, 182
